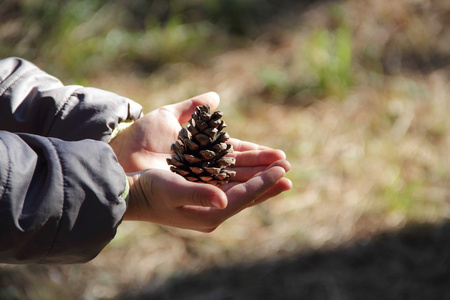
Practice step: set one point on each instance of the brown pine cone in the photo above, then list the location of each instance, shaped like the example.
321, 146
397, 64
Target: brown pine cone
200, 150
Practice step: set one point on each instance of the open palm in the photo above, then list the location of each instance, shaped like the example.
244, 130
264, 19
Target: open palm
146, 144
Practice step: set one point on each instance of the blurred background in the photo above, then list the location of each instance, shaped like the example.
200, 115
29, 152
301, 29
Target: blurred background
355, 92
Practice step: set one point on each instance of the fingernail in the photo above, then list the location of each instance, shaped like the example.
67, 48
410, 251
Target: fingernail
216, 202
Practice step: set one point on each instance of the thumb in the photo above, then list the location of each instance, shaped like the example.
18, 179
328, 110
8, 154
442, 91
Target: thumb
183, 110
180, 192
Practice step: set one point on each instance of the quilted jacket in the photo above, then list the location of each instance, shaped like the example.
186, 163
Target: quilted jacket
60, 183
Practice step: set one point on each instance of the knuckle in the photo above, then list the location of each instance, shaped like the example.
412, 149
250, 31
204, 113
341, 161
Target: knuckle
199, 200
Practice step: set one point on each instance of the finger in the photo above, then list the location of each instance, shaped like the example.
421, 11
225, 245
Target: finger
240, 195
245, 173
282, 186
184, 110
165, 184
239, 145
244, 194
253, 158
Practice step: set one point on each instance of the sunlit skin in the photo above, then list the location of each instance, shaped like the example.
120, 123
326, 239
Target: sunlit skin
160, 196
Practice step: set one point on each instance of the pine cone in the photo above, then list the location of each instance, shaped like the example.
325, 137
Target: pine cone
200, 150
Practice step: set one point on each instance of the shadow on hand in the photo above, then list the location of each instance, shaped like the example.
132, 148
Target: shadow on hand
413, 263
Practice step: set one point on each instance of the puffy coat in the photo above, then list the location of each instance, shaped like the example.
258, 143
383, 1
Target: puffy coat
60, 183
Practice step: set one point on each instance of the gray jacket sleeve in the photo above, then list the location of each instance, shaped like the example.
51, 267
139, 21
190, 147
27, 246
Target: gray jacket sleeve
60, 191
60, 202
33, 101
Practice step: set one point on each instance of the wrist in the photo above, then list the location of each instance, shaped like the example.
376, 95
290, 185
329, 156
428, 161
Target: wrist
118, 140
126, 193
134, 194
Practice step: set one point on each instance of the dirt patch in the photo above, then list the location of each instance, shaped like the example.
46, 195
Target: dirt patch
413, 263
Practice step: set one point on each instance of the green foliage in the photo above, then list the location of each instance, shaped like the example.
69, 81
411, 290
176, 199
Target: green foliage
242, 17
170, 43
328, 58
75, 39
323, 68
399, 195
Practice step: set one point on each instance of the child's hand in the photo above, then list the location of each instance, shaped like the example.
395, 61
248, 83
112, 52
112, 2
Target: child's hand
160, 196
166, 198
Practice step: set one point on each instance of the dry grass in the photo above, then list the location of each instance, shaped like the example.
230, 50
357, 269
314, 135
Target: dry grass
368, 159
